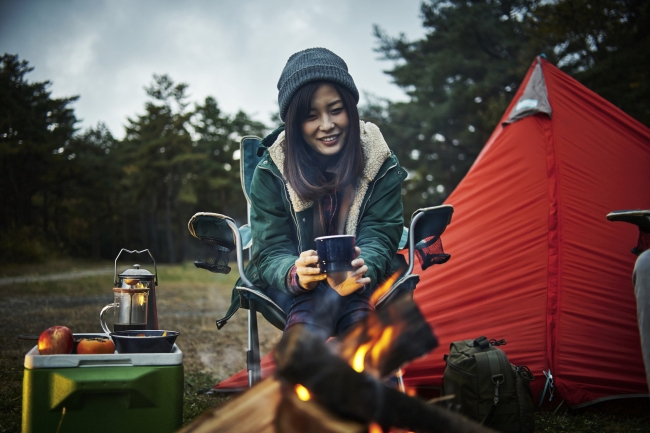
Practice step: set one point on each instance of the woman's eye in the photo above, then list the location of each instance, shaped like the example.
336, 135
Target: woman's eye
337, 110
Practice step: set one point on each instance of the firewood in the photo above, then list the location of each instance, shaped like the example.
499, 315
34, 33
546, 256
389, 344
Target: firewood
297, 416
303, 359
410, 337
252, 412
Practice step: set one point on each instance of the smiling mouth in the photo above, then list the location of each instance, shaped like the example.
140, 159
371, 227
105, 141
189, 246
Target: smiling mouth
329, 140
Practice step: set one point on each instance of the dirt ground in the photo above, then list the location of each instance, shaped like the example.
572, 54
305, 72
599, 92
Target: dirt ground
189, 301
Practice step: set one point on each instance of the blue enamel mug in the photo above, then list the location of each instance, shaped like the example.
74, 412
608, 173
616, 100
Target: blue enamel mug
335, 253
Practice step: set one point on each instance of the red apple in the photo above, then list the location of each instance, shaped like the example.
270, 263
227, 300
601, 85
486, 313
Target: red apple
57, 340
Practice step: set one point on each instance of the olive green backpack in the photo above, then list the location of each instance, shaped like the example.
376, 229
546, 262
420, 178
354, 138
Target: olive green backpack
487, 388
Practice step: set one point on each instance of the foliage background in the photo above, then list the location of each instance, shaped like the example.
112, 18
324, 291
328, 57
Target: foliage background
71, 193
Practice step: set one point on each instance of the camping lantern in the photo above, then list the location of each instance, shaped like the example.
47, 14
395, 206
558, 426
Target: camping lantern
140, 280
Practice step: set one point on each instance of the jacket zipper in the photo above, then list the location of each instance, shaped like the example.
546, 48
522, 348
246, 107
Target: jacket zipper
293, 213
373, 189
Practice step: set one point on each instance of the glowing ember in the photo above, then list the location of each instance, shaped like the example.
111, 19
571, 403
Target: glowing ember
381, 290
375, 428
302, 392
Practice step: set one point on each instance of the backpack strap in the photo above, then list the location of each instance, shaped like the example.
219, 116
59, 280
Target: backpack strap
488, 365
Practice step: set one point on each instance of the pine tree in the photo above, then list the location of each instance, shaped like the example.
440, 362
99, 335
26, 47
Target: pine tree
35, 133
460, 78
218, 136
157, 159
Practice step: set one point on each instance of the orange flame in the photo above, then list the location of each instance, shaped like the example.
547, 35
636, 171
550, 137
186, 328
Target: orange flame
382, 345
302, 392
365, 347
375, 428
358, 360
381, 290
377, 346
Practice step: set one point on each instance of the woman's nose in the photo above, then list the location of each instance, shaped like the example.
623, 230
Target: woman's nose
326, 123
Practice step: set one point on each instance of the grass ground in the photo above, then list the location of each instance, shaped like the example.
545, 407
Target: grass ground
189, 301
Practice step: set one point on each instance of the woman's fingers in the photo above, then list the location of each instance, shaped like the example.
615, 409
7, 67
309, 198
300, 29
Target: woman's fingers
359, 271
307, 269
345, 283
307, 258
363, 281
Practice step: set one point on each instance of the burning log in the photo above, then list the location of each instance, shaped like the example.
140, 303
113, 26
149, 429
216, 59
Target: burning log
253, 411
302, 359
335, 388
272, 407
387, 339
298, 414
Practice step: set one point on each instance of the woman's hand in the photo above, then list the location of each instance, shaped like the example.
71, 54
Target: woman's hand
349, 282
308, 270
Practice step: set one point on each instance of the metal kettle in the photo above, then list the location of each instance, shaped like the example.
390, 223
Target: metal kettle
138, 278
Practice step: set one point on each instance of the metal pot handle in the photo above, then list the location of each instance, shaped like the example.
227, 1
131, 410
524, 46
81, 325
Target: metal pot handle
155, 269
101, 317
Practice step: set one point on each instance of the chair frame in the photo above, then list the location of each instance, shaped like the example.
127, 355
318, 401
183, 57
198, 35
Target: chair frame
253, 352
417, 215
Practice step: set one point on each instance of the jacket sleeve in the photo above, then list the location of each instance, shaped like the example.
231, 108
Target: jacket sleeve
381, 225
274, 246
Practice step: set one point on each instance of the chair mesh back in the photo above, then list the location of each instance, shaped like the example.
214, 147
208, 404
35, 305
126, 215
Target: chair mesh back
429, 252
213, 256
643, 243
426, 233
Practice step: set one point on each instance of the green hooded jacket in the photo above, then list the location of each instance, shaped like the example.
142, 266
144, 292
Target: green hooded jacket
282, 223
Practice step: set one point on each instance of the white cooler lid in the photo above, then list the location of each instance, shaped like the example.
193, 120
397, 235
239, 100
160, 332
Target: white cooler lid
34, 360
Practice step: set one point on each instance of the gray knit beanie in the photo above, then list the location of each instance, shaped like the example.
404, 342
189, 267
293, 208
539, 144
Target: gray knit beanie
313, 64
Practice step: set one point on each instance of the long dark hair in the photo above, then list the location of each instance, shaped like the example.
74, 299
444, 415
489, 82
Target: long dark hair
301, 168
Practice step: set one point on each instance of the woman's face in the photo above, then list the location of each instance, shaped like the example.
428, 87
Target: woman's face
326, 127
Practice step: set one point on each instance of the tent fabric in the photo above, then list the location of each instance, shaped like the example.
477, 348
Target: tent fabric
534, 260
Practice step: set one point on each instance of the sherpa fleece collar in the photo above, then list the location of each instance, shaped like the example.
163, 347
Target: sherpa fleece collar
375, 152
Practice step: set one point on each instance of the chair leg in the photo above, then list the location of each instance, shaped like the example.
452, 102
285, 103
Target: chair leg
253, 354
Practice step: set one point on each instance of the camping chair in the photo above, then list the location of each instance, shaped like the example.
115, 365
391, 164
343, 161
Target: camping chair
220, 235
640, 218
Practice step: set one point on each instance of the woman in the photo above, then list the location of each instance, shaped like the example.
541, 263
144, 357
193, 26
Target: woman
324, 173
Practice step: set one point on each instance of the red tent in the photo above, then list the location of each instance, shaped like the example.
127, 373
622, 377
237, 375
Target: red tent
534, 260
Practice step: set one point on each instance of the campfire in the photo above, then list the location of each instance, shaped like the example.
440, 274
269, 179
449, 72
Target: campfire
340, 386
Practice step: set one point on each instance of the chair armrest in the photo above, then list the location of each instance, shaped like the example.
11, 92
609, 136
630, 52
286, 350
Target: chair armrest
641, 219
214, 228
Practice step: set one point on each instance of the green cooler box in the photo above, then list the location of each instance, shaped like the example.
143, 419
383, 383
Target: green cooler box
131, 392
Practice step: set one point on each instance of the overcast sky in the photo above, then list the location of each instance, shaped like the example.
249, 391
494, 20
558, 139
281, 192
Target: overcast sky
107, 51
